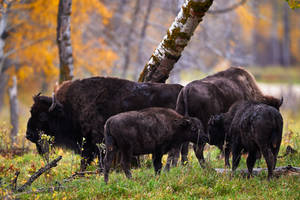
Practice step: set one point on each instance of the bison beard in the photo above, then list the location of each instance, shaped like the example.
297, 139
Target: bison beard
250, 126
215, 94
81, 107
152, 130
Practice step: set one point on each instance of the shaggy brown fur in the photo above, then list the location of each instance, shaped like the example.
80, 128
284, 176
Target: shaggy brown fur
215, 94
151, 130
84, 105
250, 126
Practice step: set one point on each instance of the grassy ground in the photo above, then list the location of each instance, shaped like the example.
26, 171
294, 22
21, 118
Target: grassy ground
182, 182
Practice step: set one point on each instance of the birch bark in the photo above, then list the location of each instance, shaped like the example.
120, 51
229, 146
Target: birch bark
179, 34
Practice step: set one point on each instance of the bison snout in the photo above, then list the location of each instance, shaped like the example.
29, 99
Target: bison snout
205, 139
32, 136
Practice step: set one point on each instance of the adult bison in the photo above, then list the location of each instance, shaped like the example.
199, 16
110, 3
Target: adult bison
250, 126
80, 108
215, 94
151, 130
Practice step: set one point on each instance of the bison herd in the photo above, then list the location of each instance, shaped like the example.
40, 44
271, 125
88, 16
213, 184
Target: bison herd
226, 109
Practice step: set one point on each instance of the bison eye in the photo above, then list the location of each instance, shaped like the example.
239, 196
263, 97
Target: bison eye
43, 117
193, 128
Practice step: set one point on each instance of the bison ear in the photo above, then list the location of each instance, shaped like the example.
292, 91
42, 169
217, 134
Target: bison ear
35, 97
215, 120
184, 122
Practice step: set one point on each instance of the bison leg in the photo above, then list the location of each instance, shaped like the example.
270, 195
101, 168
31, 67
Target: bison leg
156, 159
227, 154
251, 162
275, 154
87, 155
126, 158
109, 157
173, 156
199, 153
236, 156
184, 153
269, 157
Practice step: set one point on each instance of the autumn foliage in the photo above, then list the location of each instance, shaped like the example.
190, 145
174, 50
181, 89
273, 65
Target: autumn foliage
32, 39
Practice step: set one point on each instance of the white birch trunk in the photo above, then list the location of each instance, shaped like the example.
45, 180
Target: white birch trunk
179, 34
13, 102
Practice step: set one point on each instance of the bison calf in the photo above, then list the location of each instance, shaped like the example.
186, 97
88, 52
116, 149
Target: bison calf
150, 131
250, 126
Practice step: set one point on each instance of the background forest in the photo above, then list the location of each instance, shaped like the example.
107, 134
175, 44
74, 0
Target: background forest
116, 38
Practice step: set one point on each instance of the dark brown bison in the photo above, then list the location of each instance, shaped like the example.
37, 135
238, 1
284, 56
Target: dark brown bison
150, 131
215, 94
81, 107
250, 126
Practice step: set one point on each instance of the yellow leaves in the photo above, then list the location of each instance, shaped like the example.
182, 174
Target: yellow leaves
294, 3
38, 20
24, 72
246, 20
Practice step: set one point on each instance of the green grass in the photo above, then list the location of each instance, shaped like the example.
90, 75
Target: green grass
182, 182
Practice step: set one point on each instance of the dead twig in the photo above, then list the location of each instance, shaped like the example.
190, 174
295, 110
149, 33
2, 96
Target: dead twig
80, 174
40, 190
289, 150
288, 170
42, 170
14, 182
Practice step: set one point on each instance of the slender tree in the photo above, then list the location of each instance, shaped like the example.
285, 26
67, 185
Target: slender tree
140, 59
127, 45
64, 40
179, 34
13, 102
286, 47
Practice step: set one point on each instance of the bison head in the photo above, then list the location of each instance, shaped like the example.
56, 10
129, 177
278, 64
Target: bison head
216, 130
194, 129
46, 115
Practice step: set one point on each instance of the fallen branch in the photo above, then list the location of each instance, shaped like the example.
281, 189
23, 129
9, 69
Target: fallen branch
40, 190
81, 174
42, 170
289, 150
277, 171
14, 182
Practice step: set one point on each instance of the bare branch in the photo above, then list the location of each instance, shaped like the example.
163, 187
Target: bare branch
24, 46
225, 10
42, 170
277, 171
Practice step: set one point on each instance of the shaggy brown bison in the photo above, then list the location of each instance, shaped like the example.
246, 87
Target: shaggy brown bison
150, 131
81, 107
250, 126
215, 94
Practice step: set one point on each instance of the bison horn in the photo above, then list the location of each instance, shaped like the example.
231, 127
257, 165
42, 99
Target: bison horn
281, 101
53, 103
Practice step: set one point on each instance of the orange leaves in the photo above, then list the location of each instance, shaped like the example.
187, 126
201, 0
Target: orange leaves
36, 24
246, 20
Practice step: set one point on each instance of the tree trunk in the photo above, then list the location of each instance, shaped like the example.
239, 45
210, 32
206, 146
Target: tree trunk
13, 102
274, 35
286, 54
129, 37
3, 83
140, 60
64, 40
3, 76
179, 34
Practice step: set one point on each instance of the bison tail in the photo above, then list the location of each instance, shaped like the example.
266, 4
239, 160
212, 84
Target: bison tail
182, 104
109, 141
275, 139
